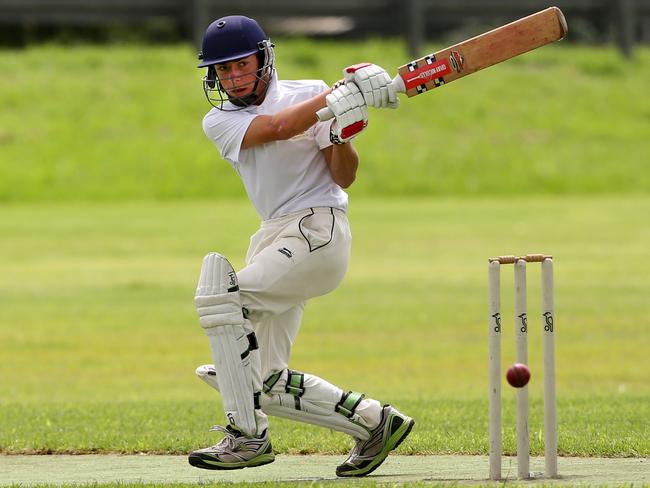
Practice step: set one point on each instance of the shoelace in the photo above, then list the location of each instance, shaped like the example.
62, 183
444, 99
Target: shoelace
230, 439
357, 448
361, 445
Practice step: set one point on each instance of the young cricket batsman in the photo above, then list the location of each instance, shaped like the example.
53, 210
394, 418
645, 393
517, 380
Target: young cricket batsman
294, 169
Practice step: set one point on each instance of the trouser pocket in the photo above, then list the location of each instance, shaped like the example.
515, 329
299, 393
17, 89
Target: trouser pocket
317, 228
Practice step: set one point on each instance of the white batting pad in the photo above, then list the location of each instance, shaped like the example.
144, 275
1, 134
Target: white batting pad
219, 307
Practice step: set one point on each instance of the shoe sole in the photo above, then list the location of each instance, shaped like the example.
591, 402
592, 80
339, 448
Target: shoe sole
199, 461
381, 457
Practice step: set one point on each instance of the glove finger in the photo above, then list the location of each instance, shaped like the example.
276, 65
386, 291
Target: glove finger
387, 78
359, 100
379, 103
384, 96
364, 113
352, 99
367, 72
366, 89
333, 104
378, 97
347, 99
392, 94
353, 87
330, 101
338, 102
347, 103
384, 89
344, 90
376, 82
346, 119
374, 70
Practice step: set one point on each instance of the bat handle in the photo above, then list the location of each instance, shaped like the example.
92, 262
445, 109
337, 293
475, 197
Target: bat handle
398, 84
326, 114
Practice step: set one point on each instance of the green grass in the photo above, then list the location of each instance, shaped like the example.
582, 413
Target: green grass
99, 337
123, 122
110, 195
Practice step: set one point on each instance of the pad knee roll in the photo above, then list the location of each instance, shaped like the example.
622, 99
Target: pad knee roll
217, 293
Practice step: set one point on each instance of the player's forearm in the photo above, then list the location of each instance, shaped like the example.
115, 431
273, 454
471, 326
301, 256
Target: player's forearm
343, 164
297, 118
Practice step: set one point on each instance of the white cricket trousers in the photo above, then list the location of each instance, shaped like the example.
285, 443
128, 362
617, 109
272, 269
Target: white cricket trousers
290, 260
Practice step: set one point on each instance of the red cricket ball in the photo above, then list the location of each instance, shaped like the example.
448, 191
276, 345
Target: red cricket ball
518, 375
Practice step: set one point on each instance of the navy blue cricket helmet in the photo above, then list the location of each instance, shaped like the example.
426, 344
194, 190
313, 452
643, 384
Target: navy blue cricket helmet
228, 39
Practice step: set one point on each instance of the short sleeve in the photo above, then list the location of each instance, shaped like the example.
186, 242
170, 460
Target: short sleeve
227, 131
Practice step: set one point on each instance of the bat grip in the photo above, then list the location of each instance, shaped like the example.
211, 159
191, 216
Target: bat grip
326, 114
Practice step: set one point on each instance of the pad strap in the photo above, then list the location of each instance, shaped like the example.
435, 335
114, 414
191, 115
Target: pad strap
252, 345
256, 400
271, 381
348, 403
295, 383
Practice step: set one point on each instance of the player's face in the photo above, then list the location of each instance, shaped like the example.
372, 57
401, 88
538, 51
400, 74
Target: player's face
238, 77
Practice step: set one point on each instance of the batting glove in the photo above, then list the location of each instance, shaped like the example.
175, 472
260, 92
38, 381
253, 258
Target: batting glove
374, 83
350, 112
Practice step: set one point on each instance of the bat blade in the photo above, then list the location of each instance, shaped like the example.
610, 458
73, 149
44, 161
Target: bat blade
482, 51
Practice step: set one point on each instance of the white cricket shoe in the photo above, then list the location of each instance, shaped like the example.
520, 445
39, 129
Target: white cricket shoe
234, 451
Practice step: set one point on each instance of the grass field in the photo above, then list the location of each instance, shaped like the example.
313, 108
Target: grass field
99, 338
561, 120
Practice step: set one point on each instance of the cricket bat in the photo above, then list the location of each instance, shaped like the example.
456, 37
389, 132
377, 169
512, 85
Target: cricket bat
472, 55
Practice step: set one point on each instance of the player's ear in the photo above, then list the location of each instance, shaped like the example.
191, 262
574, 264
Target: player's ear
211, 76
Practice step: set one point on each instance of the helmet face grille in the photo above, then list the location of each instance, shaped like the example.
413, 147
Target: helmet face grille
218, 97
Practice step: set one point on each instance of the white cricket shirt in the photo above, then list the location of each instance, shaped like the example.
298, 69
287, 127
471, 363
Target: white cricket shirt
280, 177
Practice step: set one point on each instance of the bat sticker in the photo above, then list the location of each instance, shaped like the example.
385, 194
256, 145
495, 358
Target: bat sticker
426, 73
457, 61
